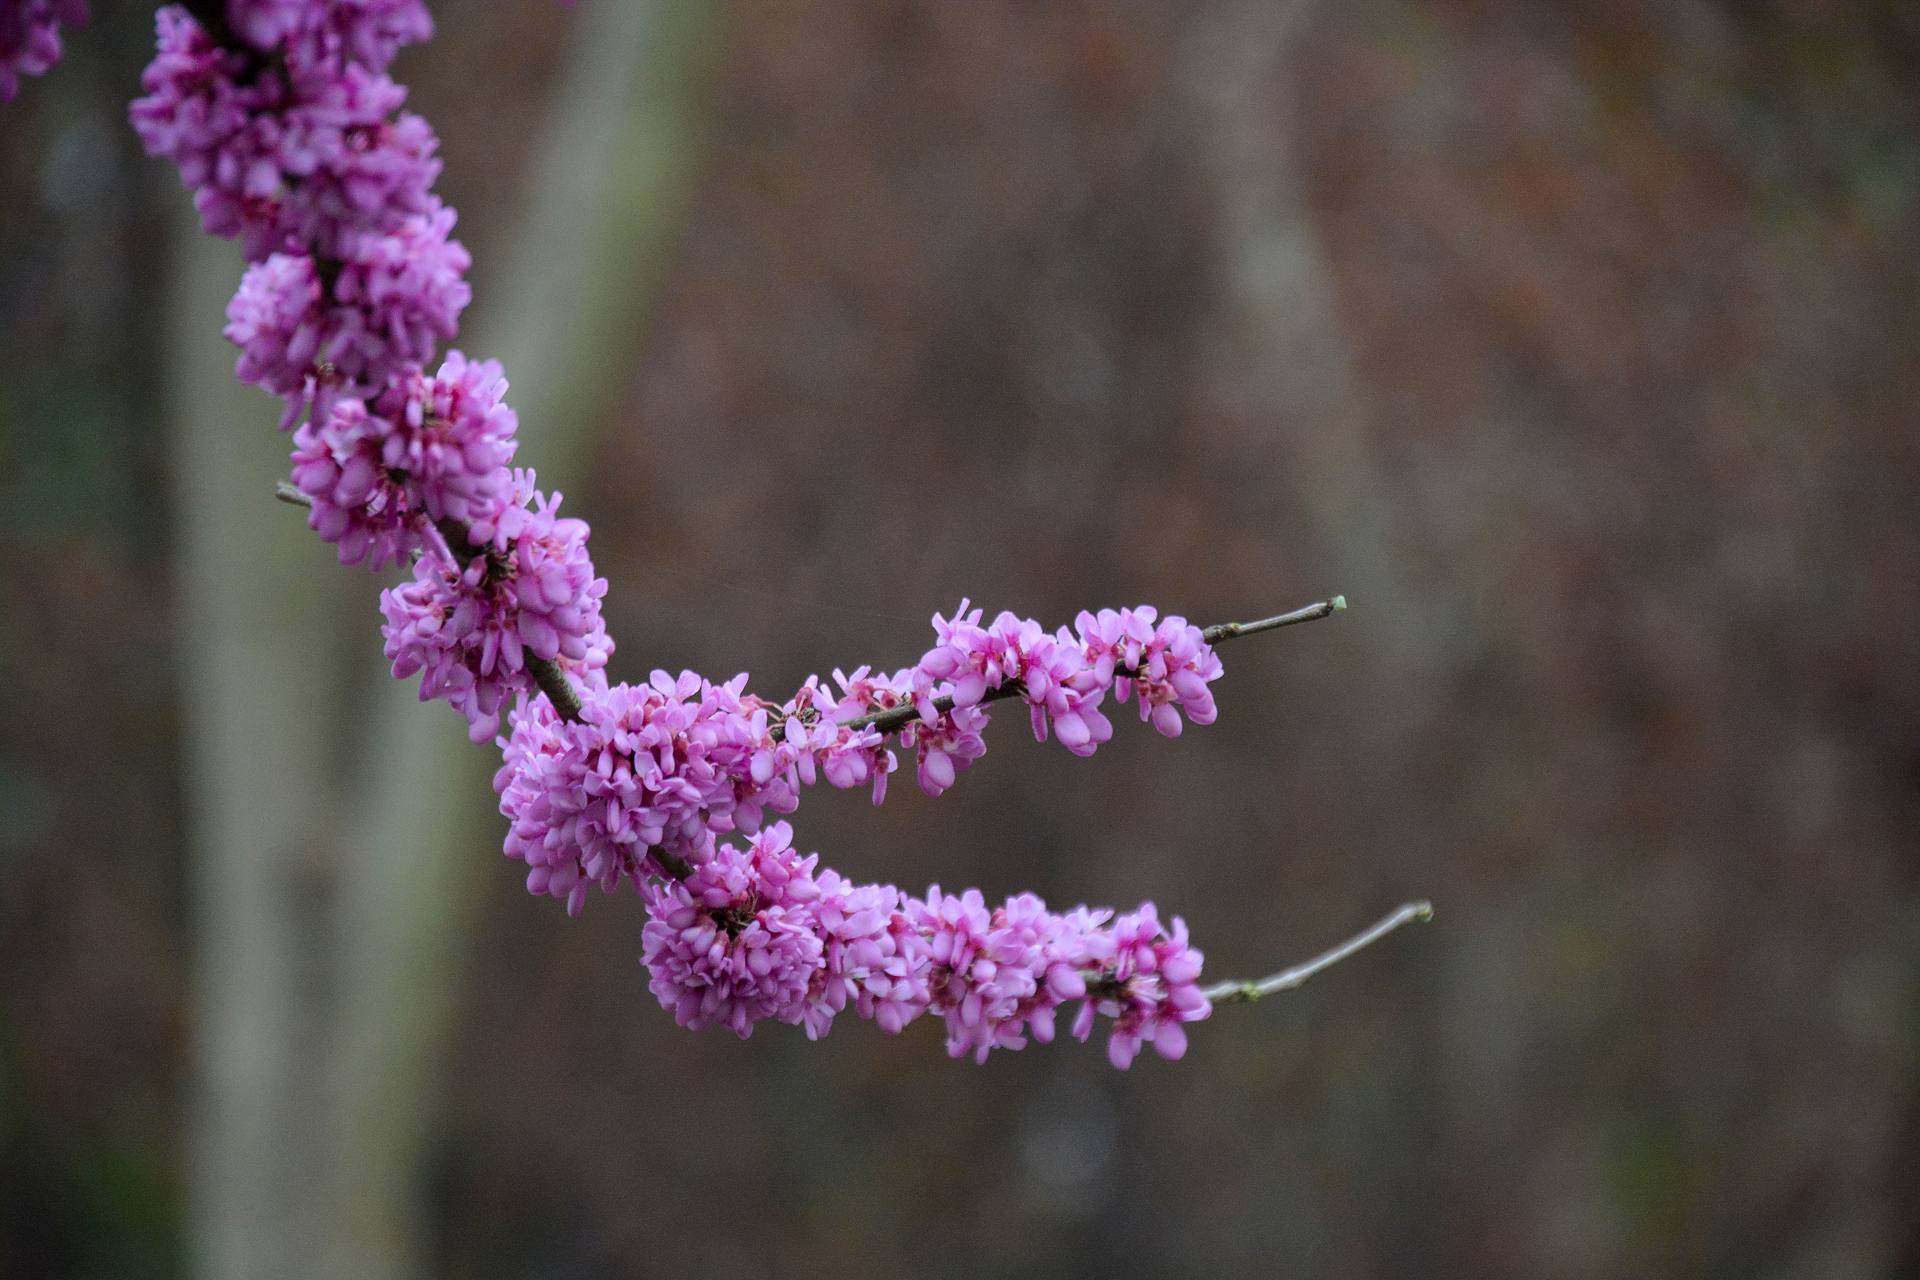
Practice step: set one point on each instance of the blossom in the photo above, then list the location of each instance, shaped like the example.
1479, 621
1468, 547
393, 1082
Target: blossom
286, 162
736, 941
1049, 672
467, 625
874, 956
998, 975
278, 322
668, 764
367, 32
354, 501
1168, 665
950, 743
30, 38
452, 436
394, 297
1149, 985
752, 934
852, 755
331, 163
198, 99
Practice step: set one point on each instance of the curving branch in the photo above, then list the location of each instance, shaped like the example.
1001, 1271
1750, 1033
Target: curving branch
1288, 979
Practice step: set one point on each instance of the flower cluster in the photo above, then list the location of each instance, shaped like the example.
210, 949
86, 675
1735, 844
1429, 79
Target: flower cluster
307, 154
437, 446
291, 135
673, 763
368, 32
388, 304
469, 620
30, 38
285, 125
754, 933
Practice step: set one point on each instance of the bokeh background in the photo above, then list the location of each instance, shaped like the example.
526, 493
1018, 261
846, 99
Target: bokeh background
1579, 345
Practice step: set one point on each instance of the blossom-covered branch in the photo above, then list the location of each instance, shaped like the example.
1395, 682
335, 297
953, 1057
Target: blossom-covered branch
294, 140
895, 718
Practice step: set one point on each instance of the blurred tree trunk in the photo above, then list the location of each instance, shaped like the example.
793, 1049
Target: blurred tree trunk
1281, 363
337, 838
261, 659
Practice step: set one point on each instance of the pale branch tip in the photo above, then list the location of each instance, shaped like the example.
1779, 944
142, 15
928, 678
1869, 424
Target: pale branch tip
1288, 979
1306, 613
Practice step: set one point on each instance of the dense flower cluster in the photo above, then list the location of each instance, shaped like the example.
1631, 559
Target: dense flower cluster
755, 934
307, 154
673, 763
392, 299
318, 35
283, 122
30, 38
467, 622
437, 446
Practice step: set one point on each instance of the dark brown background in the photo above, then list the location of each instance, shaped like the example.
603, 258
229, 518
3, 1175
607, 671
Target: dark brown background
1575, 343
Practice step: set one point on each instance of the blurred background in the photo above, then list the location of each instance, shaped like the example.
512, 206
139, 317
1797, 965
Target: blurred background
1576, 344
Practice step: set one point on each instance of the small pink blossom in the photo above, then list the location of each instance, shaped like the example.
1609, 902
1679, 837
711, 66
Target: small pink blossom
286, 163
30, 38
367, 32
394, 298
355, 502
467, 627
452, 436
736, 941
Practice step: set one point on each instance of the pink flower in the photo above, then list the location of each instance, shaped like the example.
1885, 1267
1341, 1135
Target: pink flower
875, 958
369, 512
468, 627
1149, 985
368, 32
1169, 665
987, 968
950, 743
1049, 672
30, 38
668, 764
998, 976
452, 436
438, 446
394, 299
289, 164
736, 941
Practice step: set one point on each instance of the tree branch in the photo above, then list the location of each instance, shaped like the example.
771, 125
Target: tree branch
1288, 979
893, 719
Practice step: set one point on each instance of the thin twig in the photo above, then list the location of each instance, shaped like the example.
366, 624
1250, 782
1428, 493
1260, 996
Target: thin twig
1288, 979
894, 719
1228, 630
